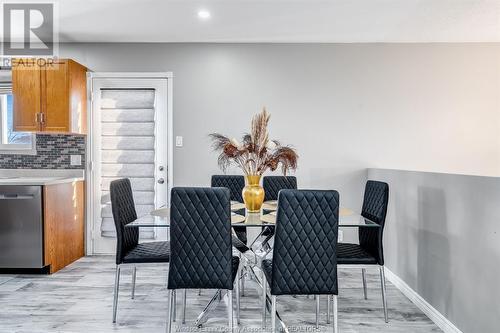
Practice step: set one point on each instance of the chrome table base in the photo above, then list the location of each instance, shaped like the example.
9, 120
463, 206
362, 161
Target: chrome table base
264, 249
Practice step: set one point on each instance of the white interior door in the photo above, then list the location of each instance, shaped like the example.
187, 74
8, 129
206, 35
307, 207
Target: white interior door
129, 139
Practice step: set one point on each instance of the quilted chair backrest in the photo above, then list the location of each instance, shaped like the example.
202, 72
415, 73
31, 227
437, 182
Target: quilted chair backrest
305, 246
123, 208
234, 183
374, 208
200, 239
273, 184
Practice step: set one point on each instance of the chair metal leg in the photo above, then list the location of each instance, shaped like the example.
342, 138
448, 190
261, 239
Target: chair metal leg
384, 296
134, 275
328, 308
273, 314
174, 306
230, 310
243, 282
184, 306
317, 311
117, 290
237, 291
365, 290
170, 310
212, 304
264, 299
335, 315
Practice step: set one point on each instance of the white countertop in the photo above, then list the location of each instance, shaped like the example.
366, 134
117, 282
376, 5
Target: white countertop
39, 177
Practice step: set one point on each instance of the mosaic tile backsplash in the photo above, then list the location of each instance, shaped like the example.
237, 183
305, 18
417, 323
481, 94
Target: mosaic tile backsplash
52, 152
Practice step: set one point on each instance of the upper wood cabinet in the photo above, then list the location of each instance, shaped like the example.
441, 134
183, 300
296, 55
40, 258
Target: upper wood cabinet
26, 88
51, 97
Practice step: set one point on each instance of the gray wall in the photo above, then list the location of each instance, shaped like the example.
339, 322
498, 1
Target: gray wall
442, 238
345, 107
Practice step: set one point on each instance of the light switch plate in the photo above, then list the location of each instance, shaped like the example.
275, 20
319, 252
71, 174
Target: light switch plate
178, 141
75, 160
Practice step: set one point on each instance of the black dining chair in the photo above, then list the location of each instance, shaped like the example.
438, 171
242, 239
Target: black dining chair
128, 249
201, 245
235, 184
272, 186
305, 250
370, 249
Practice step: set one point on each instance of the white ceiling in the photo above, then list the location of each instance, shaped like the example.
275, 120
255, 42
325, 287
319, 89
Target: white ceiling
280, 21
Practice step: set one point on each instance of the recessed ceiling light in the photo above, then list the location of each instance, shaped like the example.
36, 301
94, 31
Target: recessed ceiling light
204, 14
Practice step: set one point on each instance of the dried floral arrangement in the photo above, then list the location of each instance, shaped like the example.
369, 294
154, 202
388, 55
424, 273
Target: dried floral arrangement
256, 153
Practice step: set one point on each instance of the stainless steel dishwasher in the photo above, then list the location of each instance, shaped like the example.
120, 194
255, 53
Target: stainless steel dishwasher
21, 227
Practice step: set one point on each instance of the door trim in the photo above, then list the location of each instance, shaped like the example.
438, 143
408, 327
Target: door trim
90, 186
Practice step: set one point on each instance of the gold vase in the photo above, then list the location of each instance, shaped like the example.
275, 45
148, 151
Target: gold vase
253, 194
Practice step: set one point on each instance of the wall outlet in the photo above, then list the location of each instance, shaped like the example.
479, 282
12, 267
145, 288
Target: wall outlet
341, 236
75, 160
178, 141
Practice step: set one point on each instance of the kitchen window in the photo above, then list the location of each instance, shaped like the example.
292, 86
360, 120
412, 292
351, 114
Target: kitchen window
12, 142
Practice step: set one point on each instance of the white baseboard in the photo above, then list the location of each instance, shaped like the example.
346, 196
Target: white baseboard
441, 321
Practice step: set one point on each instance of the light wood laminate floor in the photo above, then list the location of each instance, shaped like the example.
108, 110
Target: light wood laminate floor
79, 299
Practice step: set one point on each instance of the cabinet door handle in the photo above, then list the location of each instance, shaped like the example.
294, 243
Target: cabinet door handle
42, 116
37, 117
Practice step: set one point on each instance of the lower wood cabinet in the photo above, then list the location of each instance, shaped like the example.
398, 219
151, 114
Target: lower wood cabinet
63, 224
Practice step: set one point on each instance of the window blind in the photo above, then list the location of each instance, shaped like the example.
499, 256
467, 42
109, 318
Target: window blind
128, 150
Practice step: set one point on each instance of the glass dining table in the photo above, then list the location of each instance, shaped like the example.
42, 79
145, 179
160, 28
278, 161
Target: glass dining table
347, 219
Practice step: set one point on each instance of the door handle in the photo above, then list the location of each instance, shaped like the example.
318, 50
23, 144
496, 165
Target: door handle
12, 196
161, 181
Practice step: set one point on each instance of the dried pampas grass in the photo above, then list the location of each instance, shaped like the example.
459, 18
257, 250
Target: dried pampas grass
255, 154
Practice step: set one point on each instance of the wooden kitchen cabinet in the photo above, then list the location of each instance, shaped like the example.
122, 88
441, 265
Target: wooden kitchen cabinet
49, 96
26, 88
63, 224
